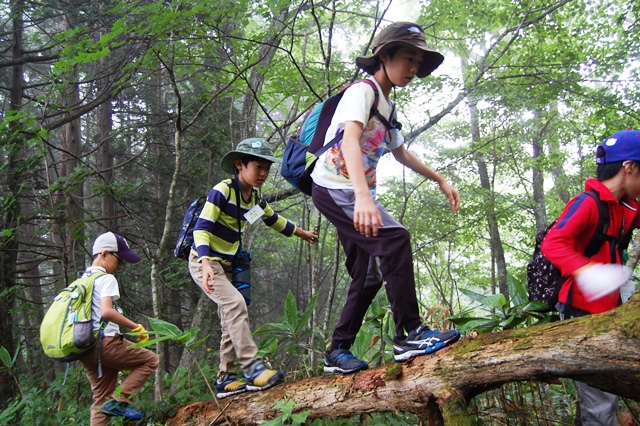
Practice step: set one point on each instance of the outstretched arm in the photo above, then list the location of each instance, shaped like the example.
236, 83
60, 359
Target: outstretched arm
308, 236
411, 161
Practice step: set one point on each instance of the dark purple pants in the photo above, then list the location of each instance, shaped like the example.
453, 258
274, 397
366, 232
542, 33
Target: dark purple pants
392, 246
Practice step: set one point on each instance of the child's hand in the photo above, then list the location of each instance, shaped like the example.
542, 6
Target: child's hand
366, 216
208, 278
308, 236
452, 194
601, 279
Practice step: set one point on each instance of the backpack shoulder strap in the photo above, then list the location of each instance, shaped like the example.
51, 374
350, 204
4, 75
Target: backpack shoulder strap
317, 145
390, 123
600, 235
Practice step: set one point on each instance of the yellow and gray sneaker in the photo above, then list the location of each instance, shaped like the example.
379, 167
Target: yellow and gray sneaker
259, 377
228, 385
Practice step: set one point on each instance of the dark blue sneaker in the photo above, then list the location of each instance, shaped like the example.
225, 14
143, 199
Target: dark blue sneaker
422, 341
229, 385
120, 409
343, 361
259, 377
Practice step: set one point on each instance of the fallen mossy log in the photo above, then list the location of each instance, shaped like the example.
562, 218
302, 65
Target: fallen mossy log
602, 350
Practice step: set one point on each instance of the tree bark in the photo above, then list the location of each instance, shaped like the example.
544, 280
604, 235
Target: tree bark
601, 350
497, 251
9, 243
70, 199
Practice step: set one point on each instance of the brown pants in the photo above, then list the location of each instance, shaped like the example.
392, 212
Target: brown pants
117, 355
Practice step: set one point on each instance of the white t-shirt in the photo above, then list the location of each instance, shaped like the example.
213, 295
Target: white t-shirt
104, 286
330, 170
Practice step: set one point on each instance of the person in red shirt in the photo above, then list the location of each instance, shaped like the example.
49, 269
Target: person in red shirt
593, 283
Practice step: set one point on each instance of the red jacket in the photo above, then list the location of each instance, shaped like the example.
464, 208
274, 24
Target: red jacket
565, 243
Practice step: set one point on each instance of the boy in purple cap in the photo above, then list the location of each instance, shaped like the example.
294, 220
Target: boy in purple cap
113, 353
594, 282
344, 191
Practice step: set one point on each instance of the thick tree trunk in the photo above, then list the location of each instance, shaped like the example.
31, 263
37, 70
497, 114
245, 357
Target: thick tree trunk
70, 198
601, 350
10, 213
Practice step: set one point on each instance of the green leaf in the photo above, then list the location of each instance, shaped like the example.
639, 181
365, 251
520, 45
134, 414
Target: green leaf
291, 310
161, 327
476, 296
498, 301
5, 357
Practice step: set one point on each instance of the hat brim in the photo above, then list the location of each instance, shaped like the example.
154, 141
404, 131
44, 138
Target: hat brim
431, 61
129, 256
227, 163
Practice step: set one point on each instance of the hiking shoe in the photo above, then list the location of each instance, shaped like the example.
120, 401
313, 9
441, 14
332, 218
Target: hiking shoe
343, 361
422, 341
259, 377
229, 385
120, 409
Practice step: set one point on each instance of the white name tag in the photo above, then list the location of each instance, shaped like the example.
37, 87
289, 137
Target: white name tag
254, 214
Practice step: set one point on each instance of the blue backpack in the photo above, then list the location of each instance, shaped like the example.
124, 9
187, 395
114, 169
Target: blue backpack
302, 151
185, 237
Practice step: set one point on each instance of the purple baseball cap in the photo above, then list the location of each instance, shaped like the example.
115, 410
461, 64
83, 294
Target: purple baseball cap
115, 243
622, 146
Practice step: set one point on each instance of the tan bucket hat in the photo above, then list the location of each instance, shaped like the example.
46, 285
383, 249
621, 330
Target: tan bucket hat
405, 33
257, 147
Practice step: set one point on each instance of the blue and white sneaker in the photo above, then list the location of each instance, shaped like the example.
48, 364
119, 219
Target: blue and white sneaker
120, 409
259, 377
343, 361
229, 385
422, 341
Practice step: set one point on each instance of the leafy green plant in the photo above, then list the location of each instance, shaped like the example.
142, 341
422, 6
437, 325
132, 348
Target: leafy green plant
502, 314
374, 336
167, 331
8, 362
289, 339
288, 416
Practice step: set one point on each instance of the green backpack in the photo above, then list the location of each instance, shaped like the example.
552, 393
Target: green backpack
66, 331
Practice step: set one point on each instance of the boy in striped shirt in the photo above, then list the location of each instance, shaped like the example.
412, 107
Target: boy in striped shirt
217, 241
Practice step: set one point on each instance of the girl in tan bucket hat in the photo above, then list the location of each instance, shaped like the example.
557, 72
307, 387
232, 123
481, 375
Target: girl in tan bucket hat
405, 34
344, 190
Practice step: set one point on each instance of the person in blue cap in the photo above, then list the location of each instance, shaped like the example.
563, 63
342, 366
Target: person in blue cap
593, 283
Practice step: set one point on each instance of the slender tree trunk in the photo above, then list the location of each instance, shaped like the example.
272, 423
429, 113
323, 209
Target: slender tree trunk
106, 163
314, 280
256, 78
497, 252
539, 207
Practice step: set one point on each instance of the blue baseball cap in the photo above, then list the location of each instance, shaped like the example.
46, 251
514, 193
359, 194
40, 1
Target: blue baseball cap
622, 146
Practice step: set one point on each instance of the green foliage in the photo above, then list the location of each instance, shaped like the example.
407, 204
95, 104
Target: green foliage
288, 339
374, 341
502, 314
288, 416
167, 331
